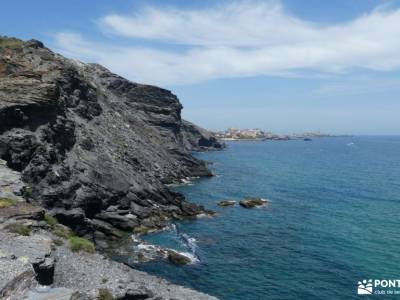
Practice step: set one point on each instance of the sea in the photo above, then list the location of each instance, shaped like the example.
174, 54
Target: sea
332, 220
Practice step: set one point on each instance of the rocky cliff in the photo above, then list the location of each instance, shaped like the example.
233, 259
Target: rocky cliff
196, 138
93, 148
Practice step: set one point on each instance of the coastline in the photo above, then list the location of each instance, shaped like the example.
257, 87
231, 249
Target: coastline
90, 154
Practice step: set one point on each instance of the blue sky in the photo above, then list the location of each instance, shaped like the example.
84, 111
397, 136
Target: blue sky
286, 66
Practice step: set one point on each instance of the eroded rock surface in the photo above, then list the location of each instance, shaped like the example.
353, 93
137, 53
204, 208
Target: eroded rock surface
25, 261
11, 184
93, 147
29, 262
96, 151
199, 139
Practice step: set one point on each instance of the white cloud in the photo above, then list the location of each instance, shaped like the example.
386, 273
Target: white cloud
238, 39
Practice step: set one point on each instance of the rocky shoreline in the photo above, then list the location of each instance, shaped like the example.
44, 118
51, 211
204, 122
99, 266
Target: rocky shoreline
86, 157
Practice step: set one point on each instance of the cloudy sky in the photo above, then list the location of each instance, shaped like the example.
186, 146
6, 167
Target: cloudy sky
282, 65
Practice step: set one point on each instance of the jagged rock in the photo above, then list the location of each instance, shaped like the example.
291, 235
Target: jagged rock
177, 258
118, 221
252, 202
11, 185
225, 203
85, 139
198, 139
96, 151
25, 261
21, 210
44, 269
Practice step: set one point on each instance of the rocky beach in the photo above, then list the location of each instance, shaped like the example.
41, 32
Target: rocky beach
86, 157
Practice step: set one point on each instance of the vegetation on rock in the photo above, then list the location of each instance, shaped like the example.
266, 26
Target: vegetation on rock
6, 202
19, 229
80, 244
62, 231
105, 294
50, 220
6, 42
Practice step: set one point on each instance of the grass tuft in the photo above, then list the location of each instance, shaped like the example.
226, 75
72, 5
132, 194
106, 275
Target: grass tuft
19, 229
80, 244
62, 231
6, 202
50, 220
105, 294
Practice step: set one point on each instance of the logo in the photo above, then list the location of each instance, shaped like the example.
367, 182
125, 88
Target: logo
365, 287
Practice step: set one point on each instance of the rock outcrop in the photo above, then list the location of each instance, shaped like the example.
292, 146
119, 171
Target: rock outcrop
93, 147
225, 203
196, 138
96, 151
252, 202
42, 266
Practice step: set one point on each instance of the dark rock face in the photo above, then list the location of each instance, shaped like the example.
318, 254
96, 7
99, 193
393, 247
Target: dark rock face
92, 146
199, 139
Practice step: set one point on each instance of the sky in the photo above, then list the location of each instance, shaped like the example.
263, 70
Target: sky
280, 65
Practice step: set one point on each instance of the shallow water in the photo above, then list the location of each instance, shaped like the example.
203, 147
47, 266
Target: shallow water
333, 220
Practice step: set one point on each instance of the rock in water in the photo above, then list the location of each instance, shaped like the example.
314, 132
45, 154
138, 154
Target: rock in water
226, 203
177, 258
93, 146
252, 202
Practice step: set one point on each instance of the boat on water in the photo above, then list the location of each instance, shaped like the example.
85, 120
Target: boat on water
307, 139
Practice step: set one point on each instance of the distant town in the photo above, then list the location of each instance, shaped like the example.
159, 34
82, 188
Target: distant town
234, 134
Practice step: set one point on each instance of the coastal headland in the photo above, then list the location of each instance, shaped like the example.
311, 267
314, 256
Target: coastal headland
86, 157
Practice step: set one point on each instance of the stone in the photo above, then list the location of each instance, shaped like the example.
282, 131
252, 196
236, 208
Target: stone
51, 294
118, 221
20, 256
225, 203
252, 202
11, 184
177, 258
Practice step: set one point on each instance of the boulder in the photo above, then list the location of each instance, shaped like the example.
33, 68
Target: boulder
225, 203
177, 258
252, 202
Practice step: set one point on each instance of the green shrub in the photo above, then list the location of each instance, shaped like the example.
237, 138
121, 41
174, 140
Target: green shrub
80, 244
105, 294
6, 202
19, 229
50, 220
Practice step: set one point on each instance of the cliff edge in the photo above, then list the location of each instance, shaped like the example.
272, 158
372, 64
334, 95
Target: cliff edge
92, 147
86, 153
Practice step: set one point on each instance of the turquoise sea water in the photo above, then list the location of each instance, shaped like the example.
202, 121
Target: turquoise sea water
333, 220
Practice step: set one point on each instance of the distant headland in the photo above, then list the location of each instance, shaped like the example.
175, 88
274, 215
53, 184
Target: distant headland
234, 134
